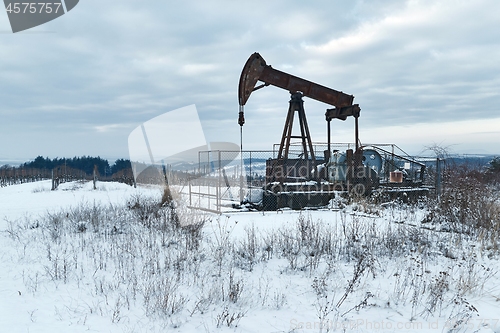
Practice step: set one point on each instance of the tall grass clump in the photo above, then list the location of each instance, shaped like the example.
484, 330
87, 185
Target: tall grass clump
154, 256
469, 204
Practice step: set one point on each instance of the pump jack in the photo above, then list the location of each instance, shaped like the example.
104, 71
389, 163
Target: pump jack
256, 70
289, 181
284, 170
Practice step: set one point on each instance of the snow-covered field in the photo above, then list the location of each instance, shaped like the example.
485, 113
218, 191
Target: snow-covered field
108, 260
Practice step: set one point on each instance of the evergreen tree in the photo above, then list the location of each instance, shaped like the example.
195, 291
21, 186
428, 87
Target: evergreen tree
120, 164
494, 165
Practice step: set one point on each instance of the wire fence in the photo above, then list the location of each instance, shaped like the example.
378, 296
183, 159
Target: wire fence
225, 180
258, 179
59, 175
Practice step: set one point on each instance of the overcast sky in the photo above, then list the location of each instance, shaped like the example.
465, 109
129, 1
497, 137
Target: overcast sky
423, 72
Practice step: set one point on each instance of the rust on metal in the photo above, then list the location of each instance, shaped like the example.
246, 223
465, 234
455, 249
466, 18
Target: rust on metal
343, 112
296, 105
256, 69
249, 76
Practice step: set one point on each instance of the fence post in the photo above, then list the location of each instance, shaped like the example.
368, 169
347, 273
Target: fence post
95, 177
438, 177
219, 199
242, 165
251, 178
134, 174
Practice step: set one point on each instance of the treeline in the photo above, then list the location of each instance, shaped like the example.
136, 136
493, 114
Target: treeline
85, 164
61, 170
486, 170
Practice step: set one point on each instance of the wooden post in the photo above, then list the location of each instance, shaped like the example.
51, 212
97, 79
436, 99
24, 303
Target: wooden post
95, 176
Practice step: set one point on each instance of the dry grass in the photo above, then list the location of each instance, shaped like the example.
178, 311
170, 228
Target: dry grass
140, 256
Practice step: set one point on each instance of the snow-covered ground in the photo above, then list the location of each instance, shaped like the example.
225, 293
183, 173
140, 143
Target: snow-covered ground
79, 260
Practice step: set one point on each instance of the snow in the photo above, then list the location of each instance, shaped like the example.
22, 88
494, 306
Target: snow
280, 293
37, 198
21, 311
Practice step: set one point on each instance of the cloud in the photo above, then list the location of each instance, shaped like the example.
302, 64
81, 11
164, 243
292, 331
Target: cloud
112, 63
111, 127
